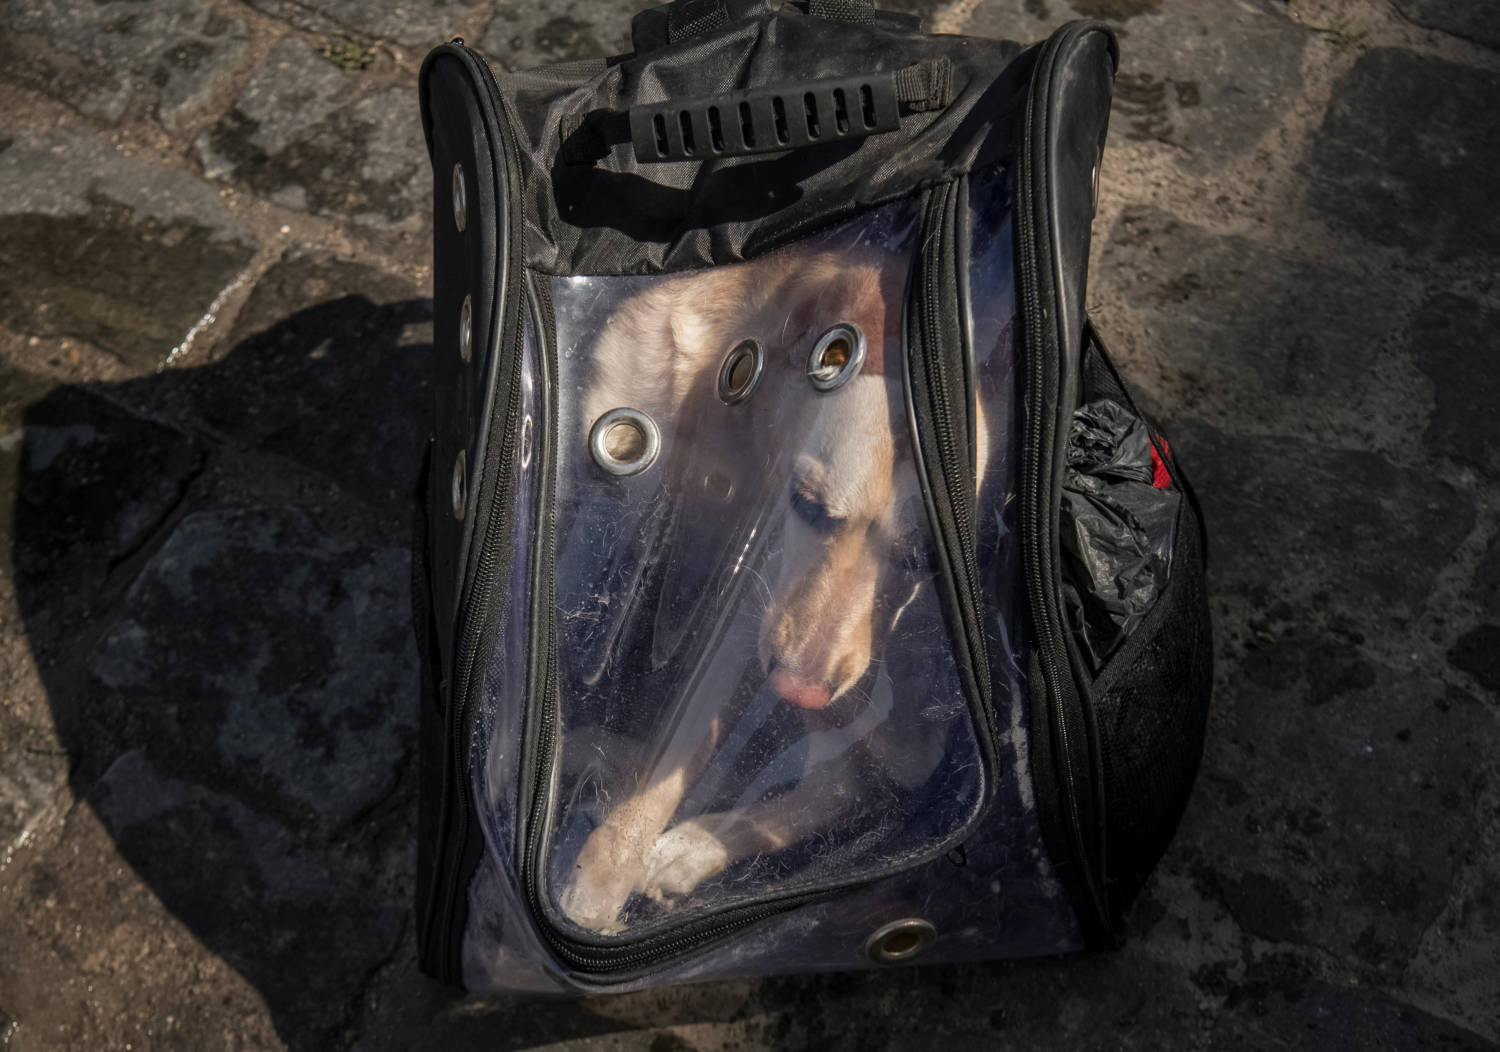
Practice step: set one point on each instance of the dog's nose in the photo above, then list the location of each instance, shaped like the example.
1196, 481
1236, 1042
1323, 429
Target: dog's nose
798, 691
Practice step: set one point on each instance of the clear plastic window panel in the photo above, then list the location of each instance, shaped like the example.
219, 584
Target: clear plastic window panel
758, 692
500, 950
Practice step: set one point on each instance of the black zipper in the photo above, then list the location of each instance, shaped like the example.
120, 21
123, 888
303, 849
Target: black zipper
1046, 389
455, 852
940, 394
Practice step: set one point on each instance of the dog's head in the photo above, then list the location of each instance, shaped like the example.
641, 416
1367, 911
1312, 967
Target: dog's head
849, 496
850, 503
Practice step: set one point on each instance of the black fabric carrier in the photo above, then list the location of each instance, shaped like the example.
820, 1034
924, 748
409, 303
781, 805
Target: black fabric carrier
799, 587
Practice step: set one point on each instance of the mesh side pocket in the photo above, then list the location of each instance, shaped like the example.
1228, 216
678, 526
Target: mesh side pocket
1150, 705
1150, 698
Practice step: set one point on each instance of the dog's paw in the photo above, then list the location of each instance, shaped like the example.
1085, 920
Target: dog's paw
606, 875
681, 859
593, 905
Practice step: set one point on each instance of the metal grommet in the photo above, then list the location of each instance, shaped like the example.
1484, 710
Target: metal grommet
836, 357
900, 941
460, 484
740, 374
460, 198
466, 329
624, 441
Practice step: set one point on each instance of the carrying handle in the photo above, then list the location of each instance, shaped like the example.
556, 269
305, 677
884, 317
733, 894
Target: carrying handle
765, 120
785, 117
760, 120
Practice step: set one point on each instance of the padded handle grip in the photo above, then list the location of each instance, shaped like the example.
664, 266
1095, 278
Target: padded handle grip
765, 120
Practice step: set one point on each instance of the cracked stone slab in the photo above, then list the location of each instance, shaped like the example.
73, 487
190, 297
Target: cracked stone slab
419, 23
93, 482
304, 135
1477, 651
329, 366
1309, 524
1317, 1015
1135, 1002
1471, 21
265, 652
1487, 580
1338, 798
110, 249
33, 771
90, 957
258, 894
1252, 333
18, 390
1407, 153
1457, 967
33, 762
33, 765
1205, 77
1450, 336
172, 55
521, 35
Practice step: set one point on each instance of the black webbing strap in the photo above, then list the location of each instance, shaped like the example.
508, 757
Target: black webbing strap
925, 85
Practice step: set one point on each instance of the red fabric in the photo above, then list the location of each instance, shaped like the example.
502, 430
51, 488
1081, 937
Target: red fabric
1161, 478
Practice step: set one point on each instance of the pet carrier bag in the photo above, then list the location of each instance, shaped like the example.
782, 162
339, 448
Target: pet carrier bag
799, 587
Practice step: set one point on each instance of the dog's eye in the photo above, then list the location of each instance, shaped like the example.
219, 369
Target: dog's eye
814, 512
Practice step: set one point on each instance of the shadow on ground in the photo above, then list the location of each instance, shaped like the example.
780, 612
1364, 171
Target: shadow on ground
212, 572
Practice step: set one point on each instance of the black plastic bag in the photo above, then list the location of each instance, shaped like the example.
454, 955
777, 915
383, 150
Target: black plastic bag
1117, 527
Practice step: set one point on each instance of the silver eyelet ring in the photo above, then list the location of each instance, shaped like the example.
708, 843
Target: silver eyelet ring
460, 484
900, 941
836, 357
740, 374
466, 329
460, 199
624, 441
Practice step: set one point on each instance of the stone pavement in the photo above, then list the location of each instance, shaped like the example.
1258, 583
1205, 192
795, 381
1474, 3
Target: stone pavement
213, 324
